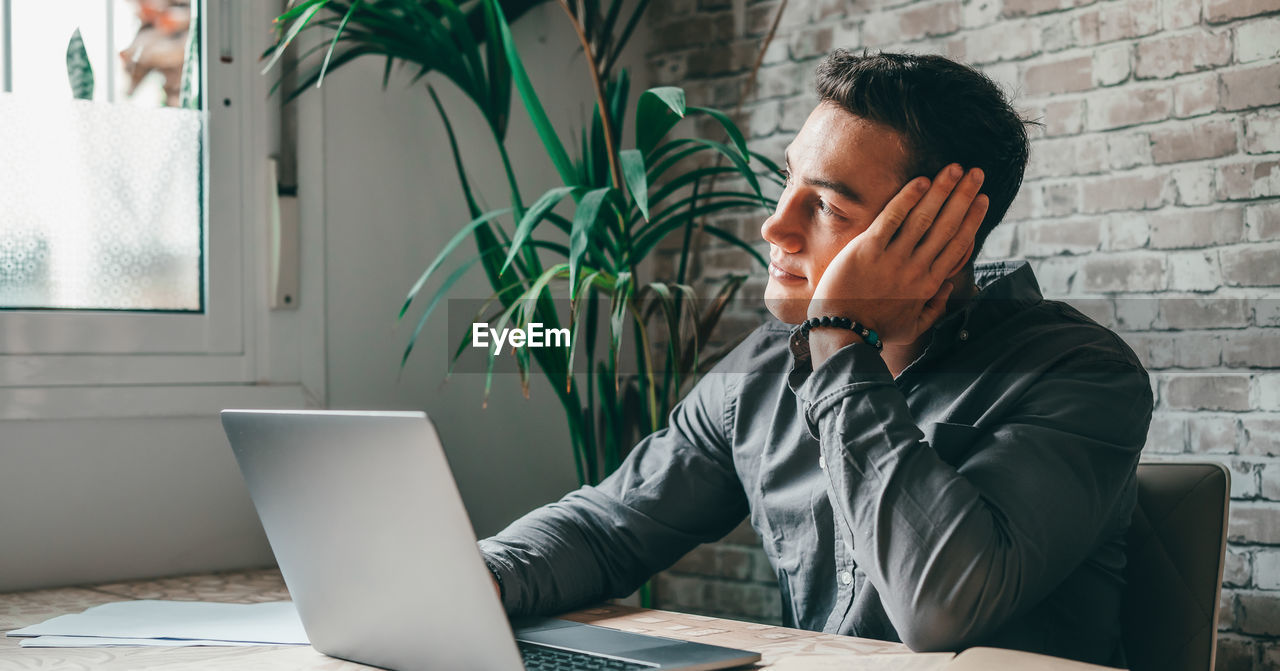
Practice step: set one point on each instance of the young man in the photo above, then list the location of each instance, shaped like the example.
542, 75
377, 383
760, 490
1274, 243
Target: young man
970, 483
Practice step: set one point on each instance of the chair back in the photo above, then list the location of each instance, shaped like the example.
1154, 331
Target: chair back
1176, 545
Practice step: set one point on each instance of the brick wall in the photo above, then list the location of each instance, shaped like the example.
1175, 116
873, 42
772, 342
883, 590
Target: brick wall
1152, 199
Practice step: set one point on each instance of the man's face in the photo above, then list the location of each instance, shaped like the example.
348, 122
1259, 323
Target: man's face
843, 170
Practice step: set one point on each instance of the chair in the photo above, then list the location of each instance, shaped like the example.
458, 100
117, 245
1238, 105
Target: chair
1176, 542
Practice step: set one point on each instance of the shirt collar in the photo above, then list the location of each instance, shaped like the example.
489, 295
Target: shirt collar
1004, 289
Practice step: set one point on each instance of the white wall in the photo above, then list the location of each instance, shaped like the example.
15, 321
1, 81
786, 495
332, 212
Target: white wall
90, 500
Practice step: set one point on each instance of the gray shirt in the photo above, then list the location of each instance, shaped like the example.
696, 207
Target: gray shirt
979, 498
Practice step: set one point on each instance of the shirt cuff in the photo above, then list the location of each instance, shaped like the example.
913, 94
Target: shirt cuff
503, 572
853, 367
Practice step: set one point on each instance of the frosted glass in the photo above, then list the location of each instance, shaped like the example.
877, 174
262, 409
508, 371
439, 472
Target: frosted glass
100, 205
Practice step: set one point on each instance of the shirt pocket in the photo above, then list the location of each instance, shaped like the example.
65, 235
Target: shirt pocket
952, 442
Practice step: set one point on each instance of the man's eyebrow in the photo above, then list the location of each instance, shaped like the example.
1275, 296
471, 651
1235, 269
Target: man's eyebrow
829, 184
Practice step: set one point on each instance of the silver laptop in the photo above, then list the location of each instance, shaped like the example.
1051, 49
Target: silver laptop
378, 553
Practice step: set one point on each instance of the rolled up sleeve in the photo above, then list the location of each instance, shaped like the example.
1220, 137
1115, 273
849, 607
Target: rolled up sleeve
676, 489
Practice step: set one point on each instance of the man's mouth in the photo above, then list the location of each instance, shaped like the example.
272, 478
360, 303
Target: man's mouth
780, 274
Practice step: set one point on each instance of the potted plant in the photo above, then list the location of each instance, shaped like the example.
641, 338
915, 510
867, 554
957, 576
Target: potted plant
623, 197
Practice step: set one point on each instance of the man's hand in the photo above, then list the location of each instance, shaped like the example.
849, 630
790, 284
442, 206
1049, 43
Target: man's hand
892, 277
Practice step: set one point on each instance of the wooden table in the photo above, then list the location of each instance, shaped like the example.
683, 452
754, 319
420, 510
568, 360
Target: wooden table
21, 609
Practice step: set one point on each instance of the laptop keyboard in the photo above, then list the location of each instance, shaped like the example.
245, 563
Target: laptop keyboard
543, 658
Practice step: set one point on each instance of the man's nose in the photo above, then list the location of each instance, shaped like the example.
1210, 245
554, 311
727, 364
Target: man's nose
781, 229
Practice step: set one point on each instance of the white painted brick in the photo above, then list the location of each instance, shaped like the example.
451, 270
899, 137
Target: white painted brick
1266, 565
1138, 313
1218, 11
1255, 85
1262, 132
1128, 150
1166, 55
1020, 208
1124, 272
1266, 391
1244, 478
1251, 265
1127, 106
975, 13
1054, 200
1056, 275
1254, 523
1262, 221
1259, 613
1059, 34
1126, 231
1185, 228
1193, 96
1257, 40
1213, 433
1201, 391
1252, 348
1197, 350
1112, 64
1194, 271
778, 51
1202, 312
1122, 20
1176, 14
1269, 483
1238, 568
1248, 179
1266, 311
1006, 40
1194, 185
1154, 349
764, 119
1261, 435
1125, 192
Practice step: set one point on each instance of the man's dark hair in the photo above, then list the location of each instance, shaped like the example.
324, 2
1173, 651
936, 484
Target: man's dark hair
947, 112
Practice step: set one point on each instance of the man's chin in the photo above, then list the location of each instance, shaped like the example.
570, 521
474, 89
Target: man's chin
787, 308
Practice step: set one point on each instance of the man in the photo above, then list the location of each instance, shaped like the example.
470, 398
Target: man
969, 484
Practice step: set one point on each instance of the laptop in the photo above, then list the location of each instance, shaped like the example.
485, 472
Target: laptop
374, 544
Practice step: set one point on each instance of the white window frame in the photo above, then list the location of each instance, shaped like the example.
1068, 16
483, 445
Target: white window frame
171, 362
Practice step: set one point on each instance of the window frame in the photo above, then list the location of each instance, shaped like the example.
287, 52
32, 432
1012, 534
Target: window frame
229, 343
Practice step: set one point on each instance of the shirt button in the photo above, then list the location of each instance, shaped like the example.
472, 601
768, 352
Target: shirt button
822, 462
964, 335
846, 577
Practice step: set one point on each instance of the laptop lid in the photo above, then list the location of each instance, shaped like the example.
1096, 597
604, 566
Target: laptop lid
365, 519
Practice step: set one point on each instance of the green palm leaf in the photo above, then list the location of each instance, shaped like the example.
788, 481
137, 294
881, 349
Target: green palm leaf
532, 217
657, 112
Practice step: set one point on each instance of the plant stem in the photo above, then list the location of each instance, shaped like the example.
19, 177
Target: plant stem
606, 121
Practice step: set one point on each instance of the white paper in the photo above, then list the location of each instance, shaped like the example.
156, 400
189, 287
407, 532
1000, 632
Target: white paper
104, 642
265, 623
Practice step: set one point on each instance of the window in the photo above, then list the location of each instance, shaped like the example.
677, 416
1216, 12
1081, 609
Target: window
103, 143
131, 253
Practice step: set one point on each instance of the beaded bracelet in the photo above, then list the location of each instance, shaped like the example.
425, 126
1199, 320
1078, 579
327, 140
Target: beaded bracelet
871, 337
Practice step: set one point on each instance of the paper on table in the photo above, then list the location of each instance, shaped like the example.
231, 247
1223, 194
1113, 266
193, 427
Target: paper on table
931, 661
266, 623
105, 642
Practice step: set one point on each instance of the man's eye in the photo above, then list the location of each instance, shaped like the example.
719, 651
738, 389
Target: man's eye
822, 207
785, 175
